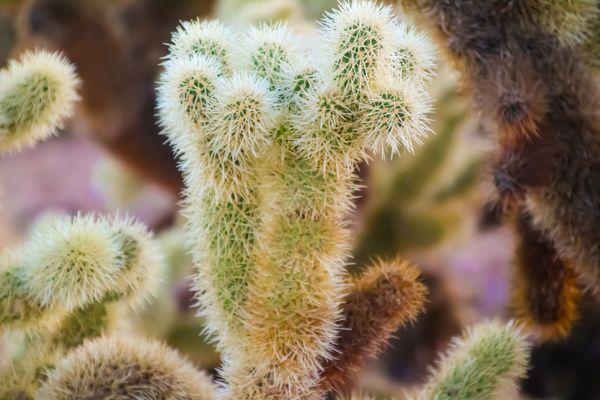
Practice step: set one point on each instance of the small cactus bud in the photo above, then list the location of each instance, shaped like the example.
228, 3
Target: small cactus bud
37, 94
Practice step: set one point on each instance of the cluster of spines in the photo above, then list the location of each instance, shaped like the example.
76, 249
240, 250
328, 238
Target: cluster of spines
69, 281
532, 81
276, 152
37, 94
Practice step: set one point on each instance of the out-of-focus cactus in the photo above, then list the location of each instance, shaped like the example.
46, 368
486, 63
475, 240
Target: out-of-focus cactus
67, 283
124, 368
37, 94
531, 82
545, 290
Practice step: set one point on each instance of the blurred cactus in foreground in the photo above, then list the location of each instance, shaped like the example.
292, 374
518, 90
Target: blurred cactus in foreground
70, 281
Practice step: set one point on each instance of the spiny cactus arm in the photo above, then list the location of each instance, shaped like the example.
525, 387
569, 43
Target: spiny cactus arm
125, 368
293, 302
185, 96
484, 364
387, 296
357, 41
544, 288
37, 94
210, 39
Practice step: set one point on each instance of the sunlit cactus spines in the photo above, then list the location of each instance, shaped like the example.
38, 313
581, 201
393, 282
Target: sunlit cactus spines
325, 134
484, 364
186, 90
357, 40
268, 49
71, 262
270, 178
395, 117
413, 56
293, 302
124, 368
239, 128
37, 94
208, 38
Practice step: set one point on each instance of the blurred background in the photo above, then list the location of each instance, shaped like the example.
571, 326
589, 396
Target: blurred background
435, 208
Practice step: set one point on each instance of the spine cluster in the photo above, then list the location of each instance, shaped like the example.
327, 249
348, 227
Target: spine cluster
269, 133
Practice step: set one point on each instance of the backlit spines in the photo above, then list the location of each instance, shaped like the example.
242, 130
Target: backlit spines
71, 262
186, 94
484, 364
325, 133
210, 39
268, 49
413, 57
357, 42
125, 368
222, 236
293, 303
37, 94
395, 117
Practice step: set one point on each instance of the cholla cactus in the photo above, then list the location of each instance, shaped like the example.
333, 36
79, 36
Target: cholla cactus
484, 364
268, 153
123, 368
37, 94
